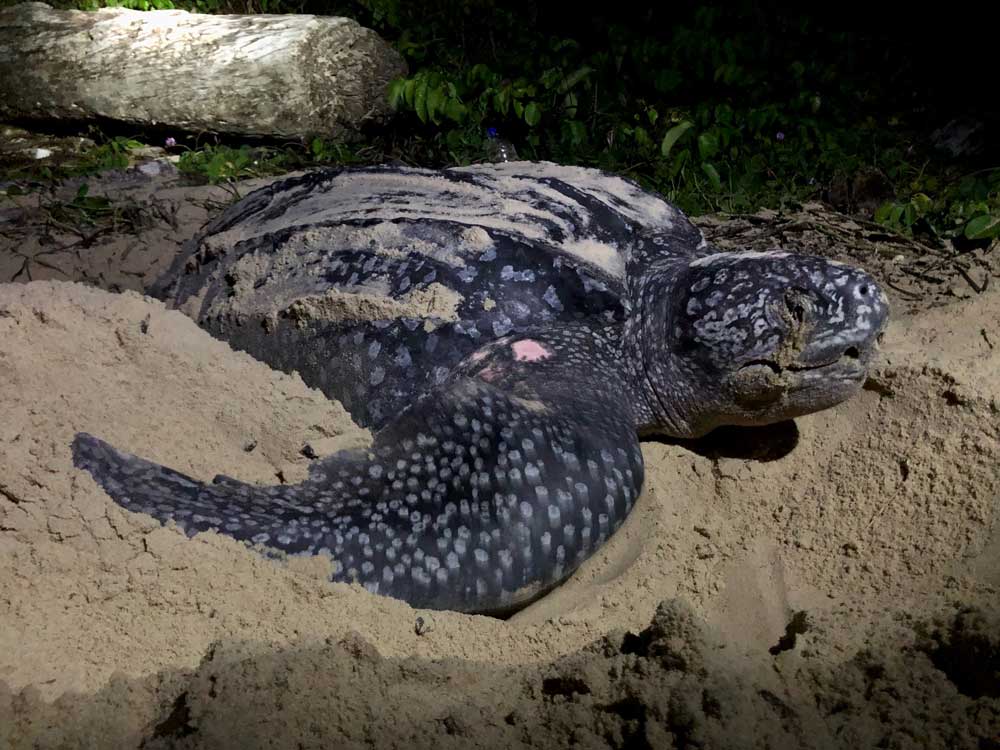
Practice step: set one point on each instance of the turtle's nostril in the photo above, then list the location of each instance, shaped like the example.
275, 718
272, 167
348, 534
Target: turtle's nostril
852, 352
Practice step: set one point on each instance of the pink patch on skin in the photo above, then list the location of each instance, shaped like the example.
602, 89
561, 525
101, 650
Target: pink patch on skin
489, 374
529, 351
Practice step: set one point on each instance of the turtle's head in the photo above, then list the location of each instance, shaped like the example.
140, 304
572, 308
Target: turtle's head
755, 338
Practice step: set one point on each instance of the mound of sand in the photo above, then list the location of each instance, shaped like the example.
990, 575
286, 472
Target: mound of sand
828, 583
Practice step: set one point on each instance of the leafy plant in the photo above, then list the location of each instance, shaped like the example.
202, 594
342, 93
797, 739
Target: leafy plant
87, 208
717, 110
218, 163
968, 207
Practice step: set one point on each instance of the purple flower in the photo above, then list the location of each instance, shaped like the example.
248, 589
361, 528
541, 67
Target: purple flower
780, 135
491, 132
170, 142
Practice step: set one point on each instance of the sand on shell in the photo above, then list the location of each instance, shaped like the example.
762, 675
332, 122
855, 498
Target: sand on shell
828, 583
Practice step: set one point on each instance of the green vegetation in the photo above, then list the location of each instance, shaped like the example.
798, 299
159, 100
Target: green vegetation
717, 111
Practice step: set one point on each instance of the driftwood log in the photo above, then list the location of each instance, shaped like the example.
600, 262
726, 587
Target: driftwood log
261, 75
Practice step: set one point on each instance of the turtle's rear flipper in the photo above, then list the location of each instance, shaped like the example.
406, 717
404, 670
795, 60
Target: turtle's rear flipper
246, 512
142, 486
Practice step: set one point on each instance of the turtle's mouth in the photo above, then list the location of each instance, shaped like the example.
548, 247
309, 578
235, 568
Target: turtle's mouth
850, 361
799, 387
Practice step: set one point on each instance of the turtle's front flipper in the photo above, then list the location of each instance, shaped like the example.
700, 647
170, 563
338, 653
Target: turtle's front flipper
473, 499
488, 498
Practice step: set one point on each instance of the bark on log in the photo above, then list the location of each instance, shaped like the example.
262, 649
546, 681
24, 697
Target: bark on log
263, 75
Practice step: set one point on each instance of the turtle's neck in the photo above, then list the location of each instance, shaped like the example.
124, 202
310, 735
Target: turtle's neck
654, 415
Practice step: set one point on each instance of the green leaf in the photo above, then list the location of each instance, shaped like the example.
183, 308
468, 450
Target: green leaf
408, 87
574, 131
480, 72
882, 213
570, 101
909, 215
574, 78
518, 108
679, 161
983, 227
673, 134
435, 104
502, 100
523, 90
921, 203
708, 146
420, 100
713, 175
532, 114
550, 78
396, 92
455, 110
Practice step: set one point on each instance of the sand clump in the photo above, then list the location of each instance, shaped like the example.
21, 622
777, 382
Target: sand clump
828, 583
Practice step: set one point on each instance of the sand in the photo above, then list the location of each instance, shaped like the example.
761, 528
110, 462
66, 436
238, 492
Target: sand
828, 583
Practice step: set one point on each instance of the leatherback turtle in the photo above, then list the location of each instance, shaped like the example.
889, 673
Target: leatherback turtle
508, 331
